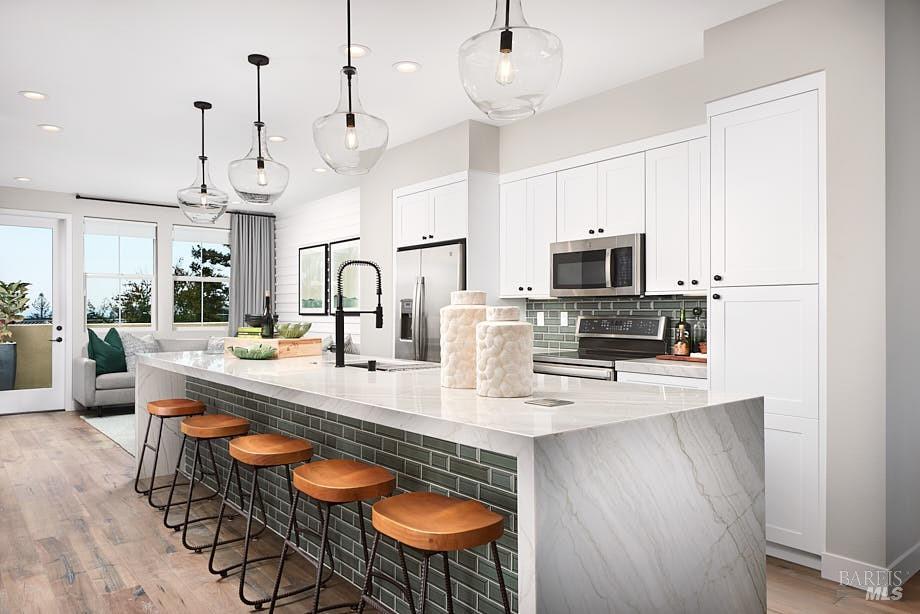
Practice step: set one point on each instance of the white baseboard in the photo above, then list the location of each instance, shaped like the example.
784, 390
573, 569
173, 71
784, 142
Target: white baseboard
793, 555
907, 564
851, 572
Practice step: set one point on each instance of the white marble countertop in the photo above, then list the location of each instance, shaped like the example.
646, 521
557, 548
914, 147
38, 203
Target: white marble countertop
653, 366
310, 380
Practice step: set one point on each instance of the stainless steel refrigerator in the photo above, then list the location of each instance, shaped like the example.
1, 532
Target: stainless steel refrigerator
425, 277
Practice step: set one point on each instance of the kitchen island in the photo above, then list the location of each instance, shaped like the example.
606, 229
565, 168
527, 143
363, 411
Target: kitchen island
633, 498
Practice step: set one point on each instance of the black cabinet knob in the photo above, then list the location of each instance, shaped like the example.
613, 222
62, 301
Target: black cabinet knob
680, 282
520, 288
717, 296
600, 230
529, 289
693, 282
424, 237
431, 236
591, 232
717, 277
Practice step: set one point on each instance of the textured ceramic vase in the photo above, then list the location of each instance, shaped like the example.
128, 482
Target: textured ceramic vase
458, 338
504, 354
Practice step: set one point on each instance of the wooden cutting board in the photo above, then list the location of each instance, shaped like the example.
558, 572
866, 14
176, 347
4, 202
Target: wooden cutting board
680, 358
286, 348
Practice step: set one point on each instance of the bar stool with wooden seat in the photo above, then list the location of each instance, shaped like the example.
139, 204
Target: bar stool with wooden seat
258, 452
331, 482
162, 409
204, 428
433, 524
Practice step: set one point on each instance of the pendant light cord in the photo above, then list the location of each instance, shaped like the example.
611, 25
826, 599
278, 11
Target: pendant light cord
259, 107
348, 44
507, 14
203, 158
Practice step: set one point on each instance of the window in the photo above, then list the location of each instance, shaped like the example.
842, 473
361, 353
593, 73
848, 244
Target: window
201, 276
118, 264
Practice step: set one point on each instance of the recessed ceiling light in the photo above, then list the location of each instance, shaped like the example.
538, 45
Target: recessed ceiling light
277, 138
23, 179
320, 169
50, 127
407, 66
357, 51
32, 95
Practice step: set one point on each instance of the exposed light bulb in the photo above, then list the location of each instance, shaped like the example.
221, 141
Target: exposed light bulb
203, 198
261, 178
504, 71
351, 138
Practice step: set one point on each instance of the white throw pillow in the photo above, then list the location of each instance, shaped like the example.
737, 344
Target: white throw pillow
135, 345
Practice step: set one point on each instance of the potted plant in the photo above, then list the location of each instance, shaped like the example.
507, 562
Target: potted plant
14, 299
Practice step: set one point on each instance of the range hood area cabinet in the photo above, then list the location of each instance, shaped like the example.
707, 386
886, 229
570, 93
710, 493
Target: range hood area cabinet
527, 227
602, 199
431, 215
677, 218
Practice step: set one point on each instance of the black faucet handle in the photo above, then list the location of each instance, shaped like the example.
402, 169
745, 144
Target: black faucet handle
379, 316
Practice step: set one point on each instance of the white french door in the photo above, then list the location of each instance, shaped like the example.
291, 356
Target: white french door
33, 369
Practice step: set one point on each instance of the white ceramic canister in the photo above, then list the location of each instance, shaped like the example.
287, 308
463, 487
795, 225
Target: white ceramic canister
458, 338
504, 354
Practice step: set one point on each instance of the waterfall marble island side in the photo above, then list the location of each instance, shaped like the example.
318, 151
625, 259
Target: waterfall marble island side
635, 498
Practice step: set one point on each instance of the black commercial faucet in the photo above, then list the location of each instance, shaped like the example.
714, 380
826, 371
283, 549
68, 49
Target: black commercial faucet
340, 311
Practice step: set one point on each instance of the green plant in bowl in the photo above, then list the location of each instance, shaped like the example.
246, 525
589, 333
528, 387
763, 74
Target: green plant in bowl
294, 330
255, 352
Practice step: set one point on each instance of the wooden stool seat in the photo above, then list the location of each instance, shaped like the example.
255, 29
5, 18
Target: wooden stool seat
343, 481
269, 450
432, 522
214, 426
174, 408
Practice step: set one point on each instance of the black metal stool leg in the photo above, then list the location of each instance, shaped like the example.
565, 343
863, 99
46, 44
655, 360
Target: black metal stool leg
323, 545
501, 577
369, 575
423, 589
220, 518
156, 459
447, 588
140, 464
287, 536
172, 488
405, 571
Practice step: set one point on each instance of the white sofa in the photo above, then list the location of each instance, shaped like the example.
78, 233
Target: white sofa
117, 389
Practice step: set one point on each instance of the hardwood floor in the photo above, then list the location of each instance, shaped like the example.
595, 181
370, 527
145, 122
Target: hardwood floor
74, 537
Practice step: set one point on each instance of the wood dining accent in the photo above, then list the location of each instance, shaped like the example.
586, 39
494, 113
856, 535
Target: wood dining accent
343, 481
435, 523
214, 426
286, 348
270, 450
175, 408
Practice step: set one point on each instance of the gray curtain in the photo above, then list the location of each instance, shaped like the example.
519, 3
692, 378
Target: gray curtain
252, 265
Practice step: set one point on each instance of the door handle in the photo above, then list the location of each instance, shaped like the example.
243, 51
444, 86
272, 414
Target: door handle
416, 316
716, 296
422, 322
56, 340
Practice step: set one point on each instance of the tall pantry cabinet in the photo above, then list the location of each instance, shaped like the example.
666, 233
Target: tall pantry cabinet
764, 317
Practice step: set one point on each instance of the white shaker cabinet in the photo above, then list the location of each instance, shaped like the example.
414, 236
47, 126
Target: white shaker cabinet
527, 227
413, 223
449, 212
765, 196
576, 203
699, 214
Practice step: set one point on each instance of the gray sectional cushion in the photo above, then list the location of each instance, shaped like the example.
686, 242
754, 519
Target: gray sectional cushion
137, 344
114, 381
182, 345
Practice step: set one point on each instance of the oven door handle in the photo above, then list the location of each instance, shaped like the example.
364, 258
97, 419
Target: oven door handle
570, 371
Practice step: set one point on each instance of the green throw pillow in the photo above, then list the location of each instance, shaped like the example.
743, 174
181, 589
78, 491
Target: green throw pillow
108, 353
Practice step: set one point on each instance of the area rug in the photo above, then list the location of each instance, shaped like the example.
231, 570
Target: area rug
117, 427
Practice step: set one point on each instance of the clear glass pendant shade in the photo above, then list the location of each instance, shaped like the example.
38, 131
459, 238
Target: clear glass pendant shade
258, 179
350, 143
508, 71
201, 202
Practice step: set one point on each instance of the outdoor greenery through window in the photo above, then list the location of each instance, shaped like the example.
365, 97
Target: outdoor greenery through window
119, 261
201, 276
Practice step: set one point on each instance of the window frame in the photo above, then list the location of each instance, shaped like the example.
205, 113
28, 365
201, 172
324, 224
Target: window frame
200, 325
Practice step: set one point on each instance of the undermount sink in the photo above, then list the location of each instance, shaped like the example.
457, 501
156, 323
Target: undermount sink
396, 366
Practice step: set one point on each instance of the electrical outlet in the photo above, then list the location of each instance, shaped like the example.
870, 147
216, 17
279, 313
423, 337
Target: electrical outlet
541, 320
563, 318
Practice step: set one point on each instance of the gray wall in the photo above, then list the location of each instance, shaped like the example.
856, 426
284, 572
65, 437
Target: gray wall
846, 39
902, 85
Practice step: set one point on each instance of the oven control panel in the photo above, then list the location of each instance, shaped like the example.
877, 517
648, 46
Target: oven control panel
622, 327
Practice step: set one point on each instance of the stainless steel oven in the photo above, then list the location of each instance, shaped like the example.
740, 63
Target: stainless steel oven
611, 266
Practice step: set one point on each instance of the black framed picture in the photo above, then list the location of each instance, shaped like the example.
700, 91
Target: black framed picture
313, 280
339, 252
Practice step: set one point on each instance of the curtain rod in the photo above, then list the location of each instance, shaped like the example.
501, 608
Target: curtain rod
163, 205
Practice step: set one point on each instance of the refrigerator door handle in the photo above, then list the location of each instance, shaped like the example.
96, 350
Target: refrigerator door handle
416, 317
422, 353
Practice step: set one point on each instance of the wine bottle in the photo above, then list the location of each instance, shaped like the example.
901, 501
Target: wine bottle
268, 320
682, 338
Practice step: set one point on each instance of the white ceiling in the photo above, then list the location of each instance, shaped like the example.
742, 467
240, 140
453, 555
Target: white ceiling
121, 77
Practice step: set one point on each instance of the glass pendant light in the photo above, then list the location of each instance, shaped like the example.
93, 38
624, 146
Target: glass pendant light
509, 70
349, 140
201, 202
258, 178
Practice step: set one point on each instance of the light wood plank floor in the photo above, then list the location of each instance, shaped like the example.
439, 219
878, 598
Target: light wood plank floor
74, 537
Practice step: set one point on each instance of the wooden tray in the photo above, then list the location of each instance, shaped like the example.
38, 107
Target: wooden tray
680, 358
287, 348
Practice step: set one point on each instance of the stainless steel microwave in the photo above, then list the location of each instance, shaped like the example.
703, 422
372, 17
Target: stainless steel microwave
611, 266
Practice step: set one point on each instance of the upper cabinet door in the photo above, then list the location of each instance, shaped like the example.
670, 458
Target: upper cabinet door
765, 198
699, 214
540, 232
449, 212
513, 224
667, 219
621, 195
576, 203
413, 219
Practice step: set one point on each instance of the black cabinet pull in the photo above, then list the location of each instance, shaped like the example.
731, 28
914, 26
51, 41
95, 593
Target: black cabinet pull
529, 289
717, 277
520, 288
693, 282
591, 232
431, 236
717, 296
600, 230
680, 282
424, 237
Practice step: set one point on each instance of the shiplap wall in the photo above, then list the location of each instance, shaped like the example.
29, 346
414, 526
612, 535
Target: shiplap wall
332, 218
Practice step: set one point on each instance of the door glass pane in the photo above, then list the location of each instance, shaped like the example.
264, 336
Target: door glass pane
25, 352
